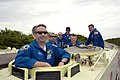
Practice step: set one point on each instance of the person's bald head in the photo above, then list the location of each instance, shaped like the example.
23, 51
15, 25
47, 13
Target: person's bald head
60, 35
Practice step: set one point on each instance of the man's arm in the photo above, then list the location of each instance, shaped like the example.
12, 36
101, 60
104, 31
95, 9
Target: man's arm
63, 61
41, 64
64, 55
22, 59
88, 40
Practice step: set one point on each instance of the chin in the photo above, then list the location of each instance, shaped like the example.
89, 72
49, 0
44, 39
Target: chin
43, 40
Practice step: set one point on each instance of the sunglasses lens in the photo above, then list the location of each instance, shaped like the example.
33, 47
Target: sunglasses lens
52, 36
45, 32
41, 32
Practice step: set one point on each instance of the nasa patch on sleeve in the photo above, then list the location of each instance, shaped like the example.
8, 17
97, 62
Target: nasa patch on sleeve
95, 32
25, 47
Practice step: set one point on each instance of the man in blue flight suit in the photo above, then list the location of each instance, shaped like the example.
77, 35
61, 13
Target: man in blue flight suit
52, 39
66, 37
59, 40
38, 53
74, 41
94, 37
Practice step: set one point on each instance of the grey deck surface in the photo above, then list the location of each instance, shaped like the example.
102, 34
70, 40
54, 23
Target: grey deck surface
6, 58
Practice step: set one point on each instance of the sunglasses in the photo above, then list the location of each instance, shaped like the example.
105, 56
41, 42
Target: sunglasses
45, 32
52, 36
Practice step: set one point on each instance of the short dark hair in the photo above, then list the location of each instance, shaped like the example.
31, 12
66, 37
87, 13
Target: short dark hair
35, 27
91, 25
74, 35
50, 33
67, 28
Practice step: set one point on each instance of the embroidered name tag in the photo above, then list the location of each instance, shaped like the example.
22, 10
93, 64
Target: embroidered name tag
49, 56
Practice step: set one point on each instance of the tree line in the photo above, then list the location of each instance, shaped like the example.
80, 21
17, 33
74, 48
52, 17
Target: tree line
115, 41
9, 38
13, 38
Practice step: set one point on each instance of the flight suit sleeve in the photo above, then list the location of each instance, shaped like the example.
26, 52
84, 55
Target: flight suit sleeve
23, 59
63, 54
88, 40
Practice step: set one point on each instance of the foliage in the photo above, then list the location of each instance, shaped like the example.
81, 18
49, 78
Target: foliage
9, 38
81, 38
17, 39
115, 41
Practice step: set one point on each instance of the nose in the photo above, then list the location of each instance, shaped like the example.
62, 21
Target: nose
43, 33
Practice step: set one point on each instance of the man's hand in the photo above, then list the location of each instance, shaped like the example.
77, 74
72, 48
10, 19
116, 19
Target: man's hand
63, 61
90, 46
61, 64
41, 64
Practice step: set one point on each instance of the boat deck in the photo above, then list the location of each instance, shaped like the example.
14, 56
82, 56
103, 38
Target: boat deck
6, 58
85, 71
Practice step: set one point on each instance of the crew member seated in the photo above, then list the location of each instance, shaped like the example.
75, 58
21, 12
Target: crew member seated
74, 41
59, 40
40, 54
52, 39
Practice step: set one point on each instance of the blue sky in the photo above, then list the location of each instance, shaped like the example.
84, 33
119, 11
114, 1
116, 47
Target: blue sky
22, 15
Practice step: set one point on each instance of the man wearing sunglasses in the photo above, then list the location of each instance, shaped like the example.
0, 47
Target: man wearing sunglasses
52, 39
40, 54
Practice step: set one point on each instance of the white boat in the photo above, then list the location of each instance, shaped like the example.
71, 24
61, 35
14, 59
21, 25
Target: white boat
86, 64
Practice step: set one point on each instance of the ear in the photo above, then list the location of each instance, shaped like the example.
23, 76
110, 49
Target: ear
34, 35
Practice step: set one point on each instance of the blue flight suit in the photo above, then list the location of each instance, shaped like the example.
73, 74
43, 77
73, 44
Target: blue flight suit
77, 43
49, 42
96, 39
27, 58
66, 39
60, 43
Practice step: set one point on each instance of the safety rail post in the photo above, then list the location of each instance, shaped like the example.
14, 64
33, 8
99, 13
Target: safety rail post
103, 54
105, 60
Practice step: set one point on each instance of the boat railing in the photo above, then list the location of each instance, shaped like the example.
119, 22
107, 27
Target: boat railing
52, 73
101, 56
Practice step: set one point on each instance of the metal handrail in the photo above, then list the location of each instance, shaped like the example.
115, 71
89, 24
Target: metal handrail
103, 54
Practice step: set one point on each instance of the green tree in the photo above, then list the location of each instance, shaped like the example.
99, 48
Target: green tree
115, 41
81, 38
17, 39
13, 38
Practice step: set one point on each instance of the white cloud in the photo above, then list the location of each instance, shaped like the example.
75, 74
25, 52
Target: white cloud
57, 14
